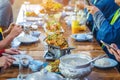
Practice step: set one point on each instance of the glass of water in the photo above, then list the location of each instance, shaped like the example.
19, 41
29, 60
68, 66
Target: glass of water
24, 69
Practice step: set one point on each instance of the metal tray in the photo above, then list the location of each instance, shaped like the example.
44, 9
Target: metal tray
55, 52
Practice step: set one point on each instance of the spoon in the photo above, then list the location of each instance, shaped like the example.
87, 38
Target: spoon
98, 57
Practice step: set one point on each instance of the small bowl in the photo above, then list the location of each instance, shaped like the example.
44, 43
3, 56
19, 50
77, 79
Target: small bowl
35, 33
34, 26
35, 65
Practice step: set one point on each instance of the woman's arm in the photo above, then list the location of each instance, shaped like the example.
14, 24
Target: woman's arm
14, 32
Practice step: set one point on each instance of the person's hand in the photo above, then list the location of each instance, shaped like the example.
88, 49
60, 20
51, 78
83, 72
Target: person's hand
16, 30
80, 5
115, 51
92, 9
7, 31
13, 29
118, 2
12, 51
6, 61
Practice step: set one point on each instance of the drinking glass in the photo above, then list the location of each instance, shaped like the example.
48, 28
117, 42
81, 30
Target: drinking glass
23, 68
25, 9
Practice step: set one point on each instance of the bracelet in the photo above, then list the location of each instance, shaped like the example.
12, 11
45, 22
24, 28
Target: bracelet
2, 51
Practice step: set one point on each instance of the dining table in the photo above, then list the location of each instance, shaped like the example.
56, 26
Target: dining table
37, 50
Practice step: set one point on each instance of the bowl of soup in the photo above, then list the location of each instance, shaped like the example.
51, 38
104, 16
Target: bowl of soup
75, 66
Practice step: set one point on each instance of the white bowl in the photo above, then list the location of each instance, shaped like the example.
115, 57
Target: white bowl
35, 65
35, 33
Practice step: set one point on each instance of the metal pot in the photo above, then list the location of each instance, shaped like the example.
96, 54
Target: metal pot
75, 66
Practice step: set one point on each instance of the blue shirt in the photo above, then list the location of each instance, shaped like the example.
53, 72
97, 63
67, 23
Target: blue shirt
103, 30
6, 14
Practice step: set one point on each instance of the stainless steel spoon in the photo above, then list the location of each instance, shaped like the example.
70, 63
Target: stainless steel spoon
98, 57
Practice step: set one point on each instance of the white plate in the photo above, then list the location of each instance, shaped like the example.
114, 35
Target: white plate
33, 19
17, 57
27, 39
25, 23
105, 63
82, 37
15, 43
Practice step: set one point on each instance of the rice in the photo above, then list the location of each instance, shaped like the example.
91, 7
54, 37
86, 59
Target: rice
102, 62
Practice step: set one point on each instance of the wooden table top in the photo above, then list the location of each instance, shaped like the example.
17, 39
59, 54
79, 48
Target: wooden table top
37, 50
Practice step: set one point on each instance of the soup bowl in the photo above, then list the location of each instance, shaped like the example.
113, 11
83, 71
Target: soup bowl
75, 66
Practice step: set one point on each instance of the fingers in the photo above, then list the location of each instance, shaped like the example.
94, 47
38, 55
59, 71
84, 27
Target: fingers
116, 54
16, 31
10, 59
92, 9
7, 61
15, 51
113, 51
89, 8
12, 51
12, 24
110, 50
114, 45
117, 57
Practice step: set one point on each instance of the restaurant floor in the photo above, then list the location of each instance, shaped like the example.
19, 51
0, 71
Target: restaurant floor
18, 3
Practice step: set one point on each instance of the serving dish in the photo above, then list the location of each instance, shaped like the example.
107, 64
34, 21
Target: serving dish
75, 66
54, 52
52, 32
82, 37
105, 63
57, 46
51, 7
